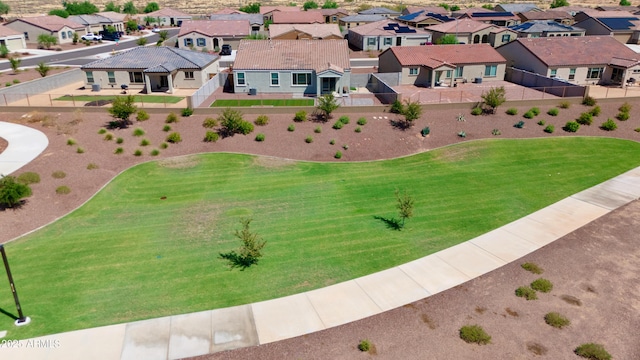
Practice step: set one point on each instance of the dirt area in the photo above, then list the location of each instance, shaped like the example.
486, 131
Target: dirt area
3, 145
25, 75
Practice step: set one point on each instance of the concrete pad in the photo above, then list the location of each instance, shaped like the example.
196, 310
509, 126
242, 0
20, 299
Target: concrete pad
25, 144
391, 288
190, 335
434, 274
558, 219
610, 195
627, 184
532, 231
148, 339
470, 259
342, 303
285, 317
504, 245
233, 328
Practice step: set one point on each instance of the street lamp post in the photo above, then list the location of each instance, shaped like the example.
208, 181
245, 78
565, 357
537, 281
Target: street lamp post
22, 320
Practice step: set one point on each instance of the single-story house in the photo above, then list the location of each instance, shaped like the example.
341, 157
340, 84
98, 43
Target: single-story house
443, 65
228, 11
493, 17
633, 10
410, 9
212, 34
300, 17
118, 19
95, 23
464, 11
579, 60
516, 8
268, 11
304, 31
545, 28
558, 16
357, 20
167, 17
382, 11
384, 34
422, 19
302, 67
622, 25
256, 20
63, 29
12, 39
153, 68
573, 9
333, 16
473, 32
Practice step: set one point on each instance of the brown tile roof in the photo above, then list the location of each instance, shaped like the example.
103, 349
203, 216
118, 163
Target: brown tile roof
227, 11
329, 12
49, 22
292, 55
167, 12
268, 9
378, 29
575, 50
429, 9
301, 17
461, 26
317, 31
626, 63
545, 15
222, 28
112, 15
7, 31
438, 55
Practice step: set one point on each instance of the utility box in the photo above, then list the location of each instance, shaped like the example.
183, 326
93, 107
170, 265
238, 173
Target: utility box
95, 87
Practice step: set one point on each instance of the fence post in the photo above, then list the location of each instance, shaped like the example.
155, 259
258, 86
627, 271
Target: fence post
50, 100
460, 95
73, 100
28, 103
606, 94
564, 91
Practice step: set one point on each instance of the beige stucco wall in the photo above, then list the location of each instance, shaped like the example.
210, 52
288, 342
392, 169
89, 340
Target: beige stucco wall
234, 42
34, 31
14, 43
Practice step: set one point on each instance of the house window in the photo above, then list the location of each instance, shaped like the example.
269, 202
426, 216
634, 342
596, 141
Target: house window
69, 34
201, 42
240, 80
301, 79
275, 79
188, 75
506, 38
413, 71
490, 70
89, 77
388, 41
334, 19
188, 42
459, 71
594, 73
112, 77
26, 35
371, 41
572, 73
553, 73
135, 77
448, 74
64, 35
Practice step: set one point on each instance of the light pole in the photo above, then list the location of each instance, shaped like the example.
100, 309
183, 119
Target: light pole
22, 320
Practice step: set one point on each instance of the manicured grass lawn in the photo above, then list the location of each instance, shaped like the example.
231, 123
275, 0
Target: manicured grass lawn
156, 99
128, 255
264, 102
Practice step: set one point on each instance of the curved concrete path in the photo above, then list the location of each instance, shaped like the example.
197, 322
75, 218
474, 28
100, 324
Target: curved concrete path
268, 321
25, 144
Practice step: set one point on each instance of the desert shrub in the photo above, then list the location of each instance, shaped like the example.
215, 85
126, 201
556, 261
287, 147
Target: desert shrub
119, 140
496, 132
145, 142
142, 115
291, 128
541, 122
571, 126
166, 128
332, 142
300, 116
102, 131
308, 139
138, 132
553, 111
71, 142
462, 134
338, 125
164, 145
262, 120
636, 129
542, 285
519, 124
595, 111
80, 150
344, 119
138, 152
174, 138
585, 118
426, 131
186, 112
364, 346
63, 190
592, 351
211, 136
476, 111
358, 129
338, 155
626, 107
7, 84
535, 111
16, 81
245, 128
609, 125
556, 320
474, 334
317, 130
210, 122
171, 118
260, 137
118, 151
532, 267
512, 111
28, 178
623, 116
92, 166
526, 292
564, 105
397, 107
529, 115
549, 129
362, 121
108, 136
345, 146
154, 152
589, 101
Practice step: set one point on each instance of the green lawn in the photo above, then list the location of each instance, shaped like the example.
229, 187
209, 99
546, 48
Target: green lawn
262, 102
128, 255
156, 99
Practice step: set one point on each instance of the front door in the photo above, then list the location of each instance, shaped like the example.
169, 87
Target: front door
328, 85
164, 82
616, 75
398, 41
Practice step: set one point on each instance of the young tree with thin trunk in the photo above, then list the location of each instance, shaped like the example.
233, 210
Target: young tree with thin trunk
250, 250
327, 104
494, 98
15, 64
122, 108
12, 192
405, 205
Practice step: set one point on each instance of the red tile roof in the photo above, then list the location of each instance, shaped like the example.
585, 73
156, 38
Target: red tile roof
7, 31
222, 28
378, 29
300, 17
438, 55
268, 9
292, 55
316, 31
460, 26
49, 22
545, 15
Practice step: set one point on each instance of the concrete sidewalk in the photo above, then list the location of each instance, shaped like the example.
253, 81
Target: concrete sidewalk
25, 144
273, 320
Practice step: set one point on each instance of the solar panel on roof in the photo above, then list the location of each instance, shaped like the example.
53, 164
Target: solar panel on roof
622, 23
393, 24
491, 14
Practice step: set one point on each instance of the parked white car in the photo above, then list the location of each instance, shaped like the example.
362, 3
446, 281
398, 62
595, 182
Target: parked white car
91, 37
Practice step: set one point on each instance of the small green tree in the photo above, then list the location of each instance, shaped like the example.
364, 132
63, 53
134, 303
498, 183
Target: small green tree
494, 98
309, 5
131, 25
151, 7
110, 6
129, 8
148, 20
122, 108
625, 3
4, 51
141, 41
330, 4
47, 41
76, 37
559, 3
12, 192
163, 35
326, 105
252, 8
411, 111
15, 63
59, 12
4, 9
449, 39
232, 123
250, 250
43, 69
404, 205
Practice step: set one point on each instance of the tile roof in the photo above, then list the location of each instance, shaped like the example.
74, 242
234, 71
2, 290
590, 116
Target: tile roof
292, 55
362, 18
7, 31
518, 7
626, 63
459, 26
316, 31
553, 51
486, 16
592, 13
227, 11
49, 22
545, 15
461, 12
112, 15
329, 12
252, 18
93, 19
298, 17
386, 27
379, 10
423, 15
222, 28
432, 9
153, 57
167, 12
437, 55
268, 9
538, 26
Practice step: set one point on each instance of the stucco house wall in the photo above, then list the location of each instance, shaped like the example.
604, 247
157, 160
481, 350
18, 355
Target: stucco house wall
261, 81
